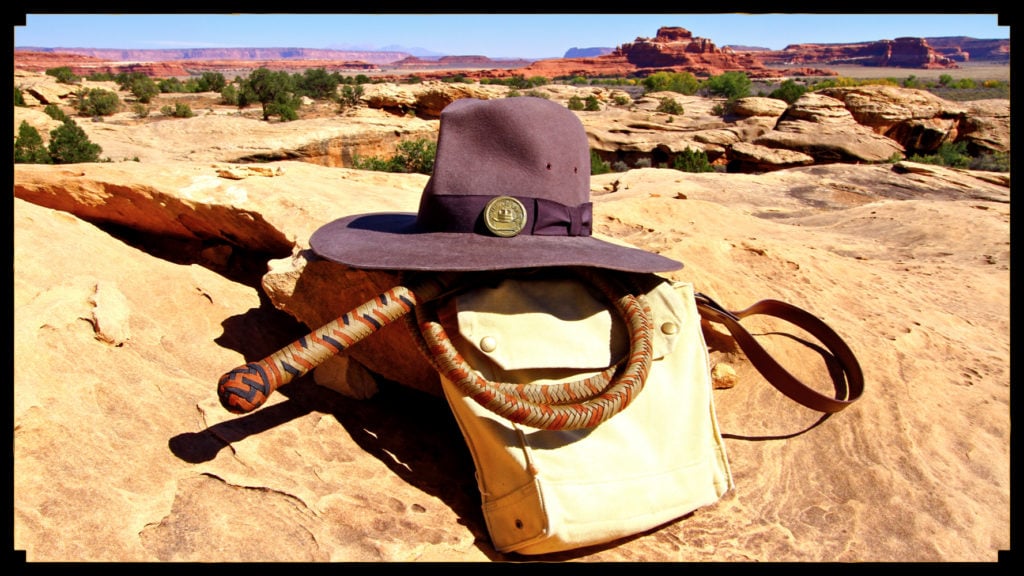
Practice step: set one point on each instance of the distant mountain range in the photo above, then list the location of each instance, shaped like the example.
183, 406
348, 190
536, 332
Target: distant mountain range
951, 46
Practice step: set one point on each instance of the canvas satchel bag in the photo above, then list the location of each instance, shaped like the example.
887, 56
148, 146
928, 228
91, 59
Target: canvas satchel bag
556, 472
550, 490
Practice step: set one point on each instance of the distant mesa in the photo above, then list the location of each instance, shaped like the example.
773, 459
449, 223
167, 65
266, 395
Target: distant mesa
587, 52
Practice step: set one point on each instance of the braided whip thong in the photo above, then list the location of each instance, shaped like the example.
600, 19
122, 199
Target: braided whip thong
568, 406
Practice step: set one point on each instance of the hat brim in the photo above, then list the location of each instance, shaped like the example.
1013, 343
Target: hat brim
392, 241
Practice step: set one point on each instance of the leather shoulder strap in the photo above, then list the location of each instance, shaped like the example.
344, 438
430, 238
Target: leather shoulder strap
846, 392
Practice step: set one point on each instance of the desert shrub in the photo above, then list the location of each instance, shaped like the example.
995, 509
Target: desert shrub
837, 82
681, 82
275, 91
412, 156
621, 100
179, 110
620, 166
416, 156
98, 102
143, 88
575, 103
669, 105
101, 77
692, 160
513, 93
69, 144
789, 91
211, 82
182, 110
63, 74
991, 162
949, 154
537, 94
170, 85
350, 95
317, 83
54, 111
229, 95
28, 146
19, 98
374, 163
597, 165
140, 109
642, 163
911, 82
731, 85
592, 104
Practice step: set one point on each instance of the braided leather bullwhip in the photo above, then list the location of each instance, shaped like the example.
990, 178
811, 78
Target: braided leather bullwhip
572, 405
247, 387
558, 406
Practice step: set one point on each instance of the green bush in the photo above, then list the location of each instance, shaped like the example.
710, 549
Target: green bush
180, 110
575, 103
412, 156
69, 145
949, 154
416, 156
140, 109
669, 105
789, 91
621, 100
274, 91
318, 84
28, 146
101, 77
54, 111
597, 165
229, 95
211, 82
170, 85
692, 160
98, 102
681, 82
63, 74
143, 88
19, 98
350, 95
592, 104
731, 85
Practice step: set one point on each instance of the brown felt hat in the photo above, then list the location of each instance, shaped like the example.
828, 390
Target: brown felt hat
510, 189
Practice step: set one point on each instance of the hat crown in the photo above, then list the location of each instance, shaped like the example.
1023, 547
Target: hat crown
523, 147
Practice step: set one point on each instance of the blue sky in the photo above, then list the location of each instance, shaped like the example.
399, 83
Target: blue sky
493, 35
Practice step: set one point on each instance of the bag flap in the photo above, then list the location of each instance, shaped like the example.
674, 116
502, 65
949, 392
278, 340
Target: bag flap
523, 324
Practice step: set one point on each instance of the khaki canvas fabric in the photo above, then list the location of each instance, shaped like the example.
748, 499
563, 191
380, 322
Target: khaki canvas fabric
545, 491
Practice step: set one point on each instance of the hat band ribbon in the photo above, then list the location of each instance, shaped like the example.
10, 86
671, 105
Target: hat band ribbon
464, 214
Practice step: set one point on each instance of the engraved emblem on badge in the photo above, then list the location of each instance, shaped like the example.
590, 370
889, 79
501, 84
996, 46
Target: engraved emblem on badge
505, 216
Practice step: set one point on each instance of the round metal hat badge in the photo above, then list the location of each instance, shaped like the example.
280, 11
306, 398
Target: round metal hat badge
505, 216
